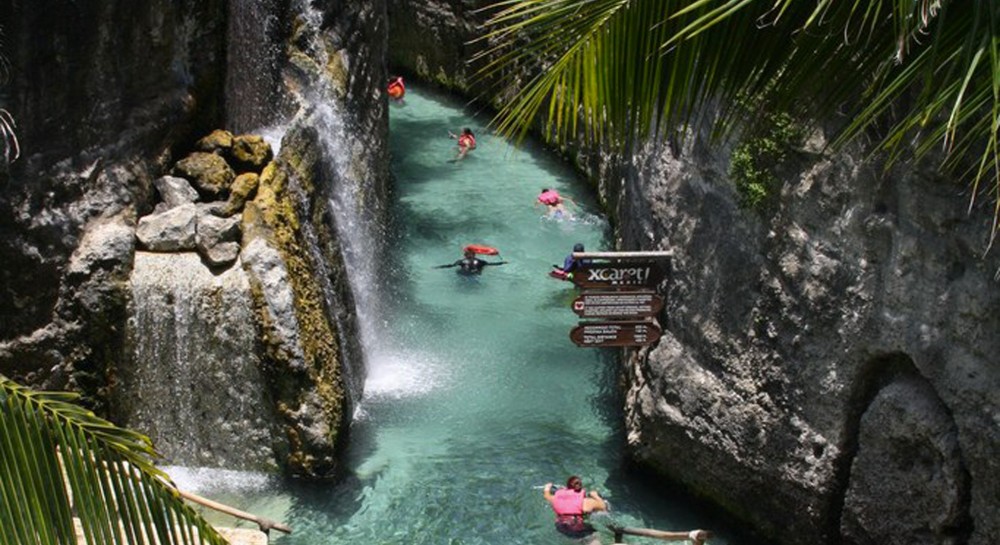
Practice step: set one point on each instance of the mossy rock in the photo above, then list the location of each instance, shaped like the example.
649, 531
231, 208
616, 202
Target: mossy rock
250, 153
218, 142
209, 173
242, 190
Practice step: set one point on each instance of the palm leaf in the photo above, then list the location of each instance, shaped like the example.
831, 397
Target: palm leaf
58, 460
625, 68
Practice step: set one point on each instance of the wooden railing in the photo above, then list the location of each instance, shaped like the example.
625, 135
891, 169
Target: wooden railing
698, 537
264, 524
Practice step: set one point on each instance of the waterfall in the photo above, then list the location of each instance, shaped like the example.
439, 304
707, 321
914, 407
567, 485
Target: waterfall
194, 385
355, 221
195, 373
253, 57
354, 202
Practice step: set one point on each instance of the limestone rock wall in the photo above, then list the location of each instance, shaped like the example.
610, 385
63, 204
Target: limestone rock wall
108, 96
826, 372
831, 360
102, 93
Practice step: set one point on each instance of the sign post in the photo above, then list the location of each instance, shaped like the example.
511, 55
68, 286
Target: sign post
626, 274
618, 304
601, 334
619, 288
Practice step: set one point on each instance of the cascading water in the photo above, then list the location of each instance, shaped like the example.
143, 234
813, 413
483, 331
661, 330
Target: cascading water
195, 374
353, 202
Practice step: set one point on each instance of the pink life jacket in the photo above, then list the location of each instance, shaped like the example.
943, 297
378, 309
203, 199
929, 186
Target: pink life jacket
467, 141
550, 197
567, 501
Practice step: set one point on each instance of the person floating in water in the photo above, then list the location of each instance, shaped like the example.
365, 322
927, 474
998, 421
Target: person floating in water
466, 142
554, 202
570, 264
470, 264
571, 505
396, 89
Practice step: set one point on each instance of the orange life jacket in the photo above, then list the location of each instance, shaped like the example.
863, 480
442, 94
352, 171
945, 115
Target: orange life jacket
396, 89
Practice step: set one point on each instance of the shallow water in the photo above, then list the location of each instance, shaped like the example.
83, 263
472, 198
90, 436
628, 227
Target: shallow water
475, 395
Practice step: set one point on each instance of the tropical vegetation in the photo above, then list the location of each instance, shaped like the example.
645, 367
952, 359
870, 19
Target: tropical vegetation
59, 462
919, 77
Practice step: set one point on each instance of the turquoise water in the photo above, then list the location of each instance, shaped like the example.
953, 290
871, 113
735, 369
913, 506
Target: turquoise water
475, 395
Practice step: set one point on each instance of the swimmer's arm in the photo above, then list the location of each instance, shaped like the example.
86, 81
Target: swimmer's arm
594, 503
547, 491
448, 266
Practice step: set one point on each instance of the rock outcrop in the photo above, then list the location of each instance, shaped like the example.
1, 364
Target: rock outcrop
794, 338
102, 92
211, 228
825, 373
99, 145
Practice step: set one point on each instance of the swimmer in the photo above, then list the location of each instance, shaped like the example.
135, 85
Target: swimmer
572, 505
554, 202
570, 264
470, 264
396, 89
466, 142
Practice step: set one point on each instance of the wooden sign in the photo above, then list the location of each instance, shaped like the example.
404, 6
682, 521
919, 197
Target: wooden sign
625, 274
601, 334
618, 304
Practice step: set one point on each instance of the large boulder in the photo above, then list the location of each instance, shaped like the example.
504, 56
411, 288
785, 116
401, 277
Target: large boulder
217, 239
243, 189
175, 191
219, 142
250, 153
172, 230
210, 174
907, 482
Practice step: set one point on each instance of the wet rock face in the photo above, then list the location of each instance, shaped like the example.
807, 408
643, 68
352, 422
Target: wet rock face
431, 39
100, 90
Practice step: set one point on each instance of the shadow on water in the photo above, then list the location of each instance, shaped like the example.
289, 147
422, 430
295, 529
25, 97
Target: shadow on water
561, 297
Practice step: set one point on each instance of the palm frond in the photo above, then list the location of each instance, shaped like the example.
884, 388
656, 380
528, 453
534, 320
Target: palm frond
8, 138
623, 68
58, 460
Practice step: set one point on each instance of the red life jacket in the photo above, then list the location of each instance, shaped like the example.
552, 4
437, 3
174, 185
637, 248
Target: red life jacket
467, 141
396, 89
566, 502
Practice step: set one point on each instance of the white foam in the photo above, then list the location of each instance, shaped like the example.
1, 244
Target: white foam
273, 135
202, 479
398, 375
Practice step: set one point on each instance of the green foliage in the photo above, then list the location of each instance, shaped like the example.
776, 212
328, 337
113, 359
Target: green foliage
58, 460
924, 74
754, 162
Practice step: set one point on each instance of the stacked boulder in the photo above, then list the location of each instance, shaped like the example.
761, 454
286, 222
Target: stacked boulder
201, 202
